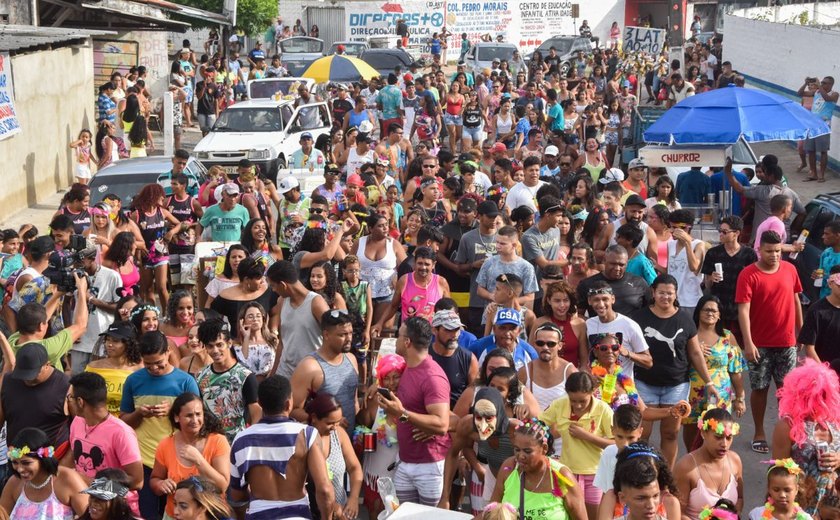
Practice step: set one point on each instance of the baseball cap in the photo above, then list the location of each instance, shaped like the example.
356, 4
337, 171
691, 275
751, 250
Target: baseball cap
341, 48
552, 151
332, 169
355, 180
41, 246
612, 175
467, 204
638, 162
625, 83
408, 77
634, 200
29, 361
305, 135
448, 319
498, 148
508, 316
287, 184
488, 208
121, 330
106, 489
185, 50
230, 188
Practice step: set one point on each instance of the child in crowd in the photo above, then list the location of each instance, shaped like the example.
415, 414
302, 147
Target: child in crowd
644, 484
829, 507
585, 425
11, 259
506, 295
782, 488
81, 148
626, 429
630, 236
499, 511
360, 306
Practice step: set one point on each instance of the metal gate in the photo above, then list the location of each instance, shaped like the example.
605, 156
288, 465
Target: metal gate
330, 22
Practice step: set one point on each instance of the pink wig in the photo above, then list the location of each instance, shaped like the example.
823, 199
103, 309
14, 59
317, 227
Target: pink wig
811, 392
389, 363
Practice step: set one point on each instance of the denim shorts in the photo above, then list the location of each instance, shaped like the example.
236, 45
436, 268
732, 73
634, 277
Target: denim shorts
449, 119
662, 395
473, 133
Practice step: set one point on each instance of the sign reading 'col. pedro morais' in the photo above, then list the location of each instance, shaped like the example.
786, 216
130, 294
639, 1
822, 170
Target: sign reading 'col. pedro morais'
659, 156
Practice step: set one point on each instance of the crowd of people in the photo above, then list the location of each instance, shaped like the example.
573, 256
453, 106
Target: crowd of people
549, 311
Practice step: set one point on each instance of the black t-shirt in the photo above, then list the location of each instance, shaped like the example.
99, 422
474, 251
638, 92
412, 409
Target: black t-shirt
631, 293
732, 265
40, 406
340, 107
457, 370
668, 340
207, 102
821, 329
454, 232
472, 117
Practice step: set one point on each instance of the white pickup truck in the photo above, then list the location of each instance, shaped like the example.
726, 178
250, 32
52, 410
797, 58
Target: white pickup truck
265, 131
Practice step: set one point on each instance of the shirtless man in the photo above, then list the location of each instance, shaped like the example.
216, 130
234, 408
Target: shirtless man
273, 479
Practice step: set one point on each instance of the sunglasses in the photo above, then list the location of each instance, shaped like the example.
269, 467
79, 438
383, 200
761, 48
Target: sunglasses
549, 344
316, 211
605, 348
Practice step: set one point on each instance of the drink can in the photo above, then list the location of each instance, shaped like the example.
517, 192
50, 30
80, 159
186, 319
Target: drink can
822, 448
719, 269
818, 282
369, 441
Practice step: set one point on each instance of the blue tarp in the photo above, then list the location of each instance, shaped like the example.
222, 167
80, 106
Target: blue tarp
724, 115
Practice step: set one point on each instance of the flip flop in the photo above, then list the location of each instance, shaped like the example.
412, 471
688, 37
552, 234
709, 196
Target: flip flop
760, 446
809, 179
821, 180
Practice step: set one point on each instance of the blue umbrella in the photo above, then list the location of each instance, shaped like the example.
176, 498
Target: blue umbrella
725, 115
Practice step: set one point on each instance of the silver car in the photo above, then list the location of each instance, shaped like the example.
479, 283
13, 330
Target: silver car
482, 54
298, 53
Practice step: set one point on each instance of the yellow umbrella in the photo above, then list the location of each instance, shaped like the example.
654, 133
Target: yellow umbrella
339, 68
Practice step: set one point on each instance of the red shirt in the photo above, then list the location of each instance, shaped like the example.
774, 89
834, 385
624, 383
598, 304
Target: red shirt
772, 299
421, 386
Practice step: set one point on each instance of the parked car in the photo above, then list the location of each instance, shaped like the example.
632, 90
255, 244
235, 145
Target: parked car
355, 49
265, 131
298, 53
127, 177
821, 210
567, 48
481, 55
385, 60
267, 87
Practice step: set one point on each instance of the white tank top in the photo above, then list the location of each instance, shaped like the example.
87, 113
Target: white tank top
689, 291
378, 273
546, 396
356, 161
503, 126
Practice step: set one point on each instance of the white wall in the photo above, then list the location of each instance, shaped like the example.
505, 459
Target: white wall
824, 13
780, 56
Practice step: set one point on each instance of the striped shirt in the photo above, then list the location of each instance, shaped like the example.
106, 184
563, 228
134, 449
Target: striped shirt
271, 442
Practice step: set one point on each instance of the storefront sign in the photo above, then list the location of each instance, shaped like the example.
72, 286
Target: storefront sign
9, 124
643, 39
657, 156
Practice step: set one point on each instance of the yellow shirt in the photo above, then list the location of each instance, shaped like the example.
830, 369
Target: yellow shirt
579, 455
114, 380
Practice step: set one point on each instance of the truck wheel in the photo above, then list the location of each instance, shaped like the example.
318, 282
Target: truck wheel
278, 165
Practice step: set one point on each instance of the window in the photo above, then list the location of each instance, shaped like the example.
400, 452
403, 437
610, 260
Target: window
490, 53
249, 120
302, 45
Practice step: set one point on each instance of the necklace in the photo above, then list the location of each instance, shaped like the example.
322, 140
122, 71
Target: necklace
43, 484
542, 477
798, 513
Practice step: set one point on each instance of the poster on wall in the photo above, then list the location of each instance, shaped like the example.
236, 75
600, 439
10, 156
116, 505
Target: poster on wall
643, 39
113, 55
9, 124
525, 23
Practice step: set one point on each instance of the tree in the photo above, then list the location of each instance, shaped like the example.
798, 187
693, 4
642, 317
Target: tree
252, 16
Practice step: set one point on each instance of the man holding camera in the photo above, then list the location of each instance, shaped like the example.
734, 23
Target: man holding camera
102, 299
33, 319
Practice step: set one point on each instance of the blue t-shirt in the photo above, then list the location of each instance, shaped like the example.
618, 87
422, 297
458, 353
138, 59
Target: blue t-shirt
828, 259
522, 354
640, 265
225, 226
523, 126
391, 99
718, 181
559, 122
435, 46
692, 187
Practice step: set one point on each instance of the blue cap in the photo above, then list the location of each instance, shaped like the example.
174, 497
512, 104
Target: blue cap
625, 83
306, 135
508, 316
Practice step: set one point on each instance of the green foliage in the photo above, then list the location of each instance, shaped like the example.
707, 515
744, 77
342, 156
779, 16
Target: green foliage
252, 16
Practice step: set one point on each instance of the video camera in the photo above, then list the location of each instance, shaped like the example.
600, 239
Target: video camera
62, 264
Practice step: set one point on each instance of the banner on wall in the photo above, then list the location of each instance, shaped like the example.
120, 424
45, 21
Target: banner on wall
643, 39
522, 22
9, 124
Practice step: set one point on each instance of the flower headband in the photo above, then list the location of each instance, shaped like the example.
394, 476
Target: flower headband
534, 425
787, 464
16, 453
708, 513
718, 426
140, 309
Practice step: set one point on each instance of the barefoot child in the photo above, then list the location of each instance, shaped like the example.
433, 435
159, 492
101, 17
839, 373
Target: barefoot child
81, 147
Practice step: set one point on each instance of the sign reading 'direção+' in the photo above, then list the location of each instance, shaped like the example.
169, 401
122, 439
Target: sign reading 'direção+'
9, 124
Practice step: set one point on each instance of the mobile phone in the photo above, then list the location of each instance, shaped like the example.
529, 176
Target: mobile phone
384, 392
